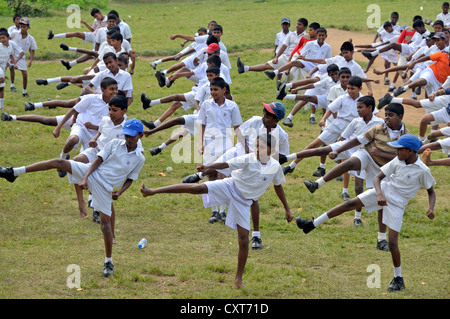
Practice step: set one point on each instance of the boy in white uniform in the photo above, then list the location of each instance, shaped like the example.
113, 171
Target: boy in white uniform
406, 175
117, 165
6, 55
251, 175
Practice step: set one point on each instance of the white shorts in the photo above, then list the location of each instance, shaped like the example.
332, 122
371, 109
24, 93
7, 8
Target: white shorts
368, 165
84, 134
432, 83
101, 194
190, 101
213, 149
66, 125
329, 137
392, 213
345, 155
228, 155
91, 153
89, 37
402, 60
21, 64
191, 123
406, 49
439, 103
441, 116
282, 60
2, 74
224, 191
445, 145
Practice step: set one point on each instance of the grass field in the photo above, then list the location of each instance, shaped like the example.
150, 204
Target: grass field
41, 233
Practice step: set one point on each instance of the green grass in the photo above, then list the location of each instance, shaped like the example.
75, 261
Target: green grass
41, 233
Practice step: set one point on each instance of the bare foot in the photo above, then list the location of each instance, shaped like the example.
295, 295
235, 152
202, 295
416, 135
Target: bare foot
238, 284
146, 191
426, 156
83, 212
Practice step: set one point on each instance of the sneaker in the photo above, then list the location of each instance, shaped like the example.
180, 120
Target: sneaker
149, 124
391, 89
62, 85
306, 225
367, 55
312, 186
345, 196
288, 122
281, 93
399, 90
357, 222
96, 217
312, 120
145, 101
256, 243
418, 90
287, 170
191, 179
29, 106
108, 269
6, 117
153, 65
60, 172
66, 64
320, 172
7, 173
214, 217
64, 46
340, 178
25, 95
90, 203
383, 245
169, 83
41, 82
396, 284
270, 74
13, 89
223, 217
155, 151
50, 35
240, 66
387, 82
385, 100
279, 84
161, 78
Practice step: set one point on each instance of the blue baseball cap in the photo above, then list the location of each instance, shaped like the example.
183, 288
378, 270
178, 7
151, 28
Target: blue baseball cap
285, 20
132, 127
275, 108
407, 141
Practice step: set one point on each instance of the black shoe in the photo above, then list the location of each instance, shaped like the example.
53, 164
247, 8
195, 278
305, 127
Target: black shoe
387, 82
306, 225
61, 173
288, 122
312, 120
29, 106
191, 179
279, 84
64, 46
169, 83
357, 222
312, 186
96, 217
270, 74
399, 90
25, 95
385, 100
256, 243
340, 178
383, 245
281, 93
320, 172
161, 78
6, 117
240, 66
62, 85
367, 55
223, 217
287, 170
153, 65
149, 124
50, 35
7, 173
391, 90
345, 197
396, 284
145, 101
13, 89
66, 64
108, 269
418, 90
214, 217
41, 82
155, 151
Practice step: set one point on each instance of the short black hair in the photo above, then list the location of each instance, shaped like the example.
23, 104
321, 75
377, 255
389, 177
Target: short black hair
347, 46
446, 4
202, 30
418, 23
367, 101
215, 60
355, 81
115, 13
213, 69
439, 22
109, 55
16, 16
218, 27
112, 16
303, 21
417, 18
323, 30
120, 101
211, 39
94, 11
332, 68
387, 24
397, 108
117, 36
395, 14
345, 70
107, 82
4, 32
314, 26
220, 82
123, 59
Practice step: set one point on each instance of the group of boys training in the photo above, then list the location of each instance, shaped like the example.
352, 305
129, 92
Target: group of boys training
353, 134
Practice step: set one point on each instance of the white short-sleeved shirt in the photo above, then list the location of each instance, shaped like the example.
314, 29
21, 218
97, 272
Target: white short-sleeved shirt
395, 27
16, 49
253, 127
122, 77
27, 44
5, 54
354, 67
125, 30
445, 143
119, 164
125, 45
390, 37
100, 35
279, 39
418, 40
359, 126
345, 107
252, 178
203, 93
202, 39
108, 131
324, 85
335, 92
13, 29
291, 41
91, 108
312, 50
444, 18
96, 25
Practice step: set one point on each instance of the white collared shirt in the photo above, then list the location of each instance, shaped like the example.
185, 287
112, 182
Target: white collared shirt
122, 77
359, 126
91, 108
345, 107
291, 41
339, 60
312, 50
444, 18
279, 39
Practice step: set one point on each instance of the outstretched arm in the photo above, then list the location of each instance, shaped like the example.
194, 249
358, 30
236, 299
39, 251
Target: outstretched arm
431, 202
280, 193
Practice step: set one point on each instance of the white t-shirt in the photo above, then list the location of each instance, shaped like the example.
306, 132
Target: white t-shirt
312, 50
27, 44
279, 39
125, 30
91, 108
324, 85
444, 18
252, 178
16, 49
335, 92
5, 54
291, 42
123, 79
354, 67
358, 126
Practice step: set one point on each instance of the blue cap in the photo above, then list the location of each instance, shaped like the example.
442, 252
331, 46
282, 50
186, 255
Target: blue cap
285, 20
132, 127
275, 108
408, 141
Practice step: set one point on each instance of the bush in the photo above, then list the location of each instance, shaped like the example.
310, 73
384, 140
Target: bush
39, 8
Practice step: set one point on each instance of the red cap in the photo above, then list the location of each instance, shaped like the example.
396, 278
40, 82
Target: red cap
212, 47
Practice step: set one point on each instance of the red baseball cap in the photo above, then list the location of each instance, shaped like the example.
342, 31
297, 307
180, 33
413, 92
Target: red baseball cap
212, 47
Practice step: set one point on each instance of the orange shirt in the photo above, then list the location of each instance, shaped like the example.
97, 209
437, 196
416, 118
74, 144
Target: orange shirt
305, 39
441, 68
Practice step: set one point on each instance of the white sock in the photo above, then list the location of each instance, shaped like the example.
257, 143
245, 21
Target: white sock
72, 63
358, 215
276, 72
322, 165
375, 53
321, 182
421, 138
60, 35
398, 271
392, 85
72, 49
63, 155
223, 208
90, 197
24, 91
157, 123
54, 80
164, 72
167, 81
313, 115
12, 85
246, 68
39, 104
19, 170
425, 141
345, 190
158, 62
381, 236
292, 157
288, 85
406, 87
319, 220
256, 234
413, 94
290, 116
108, 259
200, 174
215, 209
155, 102
2, 103
14, 117
162, 146
292, 165
397, 100
290, 97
